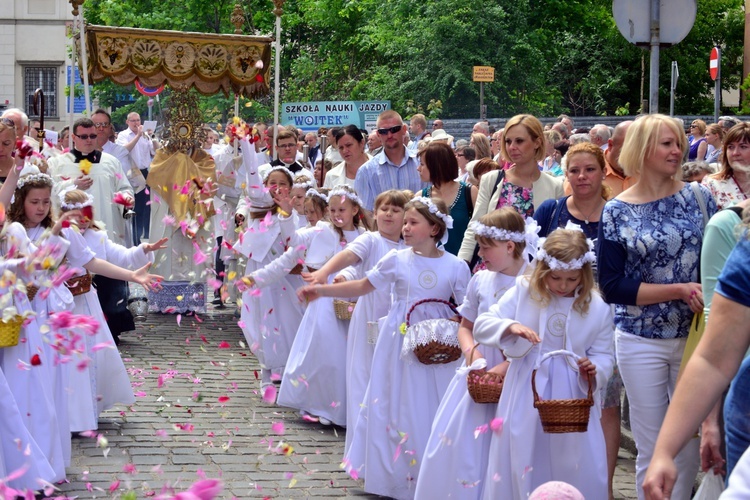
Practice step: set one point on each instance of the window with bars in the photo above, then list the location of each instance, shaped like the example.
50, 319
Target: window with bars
44, 77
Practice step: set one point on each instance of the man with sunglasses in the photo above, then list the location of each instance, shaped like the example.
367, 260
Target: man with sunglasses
393, 168
103, 180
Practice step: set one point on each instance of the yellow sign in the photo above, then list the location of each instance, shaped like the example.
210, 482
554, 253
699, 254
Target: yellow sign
484, 74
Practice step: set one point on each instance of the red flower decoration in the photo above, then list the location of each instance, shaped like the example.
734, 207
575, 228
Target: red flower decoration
36, 360
259, 78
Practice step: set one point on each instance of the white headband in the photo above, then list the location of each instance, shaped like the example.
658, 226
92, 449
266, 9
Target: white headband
529, 236
573, 265
43, 178
75, 206
303, 185
345, 194
278, 168
435, 210
315, 192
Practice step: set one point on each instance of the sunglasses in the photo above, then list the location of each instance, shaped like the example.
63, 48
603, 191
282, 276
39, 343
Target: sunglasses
86, 137
392, 130
693, 126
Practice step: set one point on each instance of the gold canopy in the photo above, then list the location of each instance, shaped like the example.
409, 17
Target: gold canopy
208, 62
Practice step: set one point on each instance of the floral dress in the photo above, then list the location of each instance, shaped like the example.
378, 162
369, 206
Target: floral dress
517, 197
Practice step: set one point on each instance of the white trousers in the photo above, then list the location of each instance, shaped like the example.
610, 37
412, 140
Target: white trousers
649, 370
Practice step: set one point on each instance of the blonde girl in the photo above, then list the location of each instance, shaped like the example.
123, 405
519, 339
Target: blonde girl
106, 375
268, 221
298, 193
362, 254
554, 309
314, 381
400, 402
456, 458
316, 206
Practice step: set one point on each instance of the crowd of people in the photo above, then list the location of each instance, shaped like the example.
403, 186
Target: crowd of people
383, 278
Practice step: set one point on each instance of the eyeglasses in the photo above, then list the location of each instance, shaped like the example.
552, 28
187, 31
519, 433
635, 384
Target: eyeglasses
101, 125
693, 126
86, 137
393, 130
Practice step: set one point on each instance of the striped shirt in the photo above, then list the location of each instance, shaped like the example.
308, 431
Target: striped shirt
379, 174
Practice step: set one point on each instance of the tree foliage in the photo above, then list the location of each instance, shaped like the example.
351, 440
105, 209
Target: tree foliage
550, 56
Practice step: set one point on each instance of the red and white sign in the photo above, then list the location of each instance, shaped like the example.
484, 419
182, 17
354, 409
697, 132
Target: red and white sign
713, 63
148, 91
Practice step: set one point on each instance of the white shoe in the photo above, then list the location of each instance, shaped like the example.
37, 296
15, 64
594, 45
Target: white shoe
324, 421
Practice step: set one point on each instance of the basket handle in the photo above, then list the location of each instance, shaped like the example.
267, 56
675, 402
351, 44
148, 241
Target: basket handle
424, 301
476, 364
561, 352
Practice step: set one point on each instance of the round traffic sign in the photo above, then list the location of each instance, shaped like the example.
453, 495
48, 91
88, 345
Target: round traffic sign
713, 63
148, 91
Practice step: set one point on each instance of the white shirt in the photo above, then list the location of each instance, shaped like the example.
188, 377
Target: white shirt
142, 152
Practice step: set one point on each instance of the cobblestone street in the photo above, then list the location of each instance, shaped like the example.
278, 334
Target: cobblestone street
199, 410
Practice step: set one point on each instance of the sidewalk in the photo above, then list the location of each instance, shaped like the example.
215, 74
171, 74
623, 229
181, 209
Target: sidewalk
198, 409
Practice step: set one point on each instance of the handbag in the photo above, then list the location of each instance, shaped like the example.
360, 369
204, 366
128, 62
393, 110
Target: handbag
698, 325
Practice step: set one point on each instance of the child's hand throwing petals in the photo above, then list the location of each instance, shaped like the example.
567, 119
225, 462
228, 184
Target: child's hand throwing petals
586, 367
524, 332
159, 245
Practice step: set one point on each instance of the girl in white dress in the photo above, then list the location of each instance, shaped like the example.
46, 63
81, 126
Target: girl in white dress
315, 378
31, 207
554, 309
18, 448
456, 457
298, 193
107, 375
363, 253
271, 222
403, 395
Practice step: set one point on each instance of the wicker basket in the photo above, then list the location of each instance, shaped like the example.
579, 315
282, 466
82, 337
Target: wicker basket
484, 387
434, 353
343, 308
563, 415
31, 291
79, 285
10, 331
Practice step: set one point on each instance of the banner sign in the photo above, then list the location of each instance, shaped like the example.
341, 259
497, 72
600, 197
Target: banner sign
309, 116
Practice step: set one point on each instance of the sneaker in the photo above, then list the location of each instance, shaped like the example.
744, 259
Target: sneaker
324, 421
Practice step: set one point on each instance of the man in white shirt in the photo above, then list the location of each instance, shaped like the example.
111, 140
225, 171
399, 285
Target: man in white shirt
103, 181
142, 146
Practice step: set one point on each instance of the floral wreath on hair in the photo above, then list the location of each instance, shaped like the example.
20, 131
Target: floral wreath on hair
303, 185
278, 168
40, 177
344, 195
435, 210
315, 192
573, 265
74, 206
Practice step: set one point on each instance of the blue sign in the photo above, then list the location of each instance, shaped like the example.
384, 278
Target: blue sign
309, 116
79, 101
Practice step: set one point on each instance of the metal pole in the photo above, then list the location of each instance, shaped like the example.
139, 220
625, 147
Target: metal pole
717, 88
72, 93
481, 100
84, 62
675, 76
276, 85
653, 105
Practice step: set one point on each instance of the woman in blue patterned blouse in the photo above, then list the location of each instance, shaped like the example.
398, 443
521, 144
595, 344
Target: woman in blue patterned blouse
648, 255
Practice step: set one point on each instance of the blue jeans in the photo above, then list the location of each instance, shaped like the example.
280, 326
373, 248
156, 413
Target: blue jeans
737, 416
